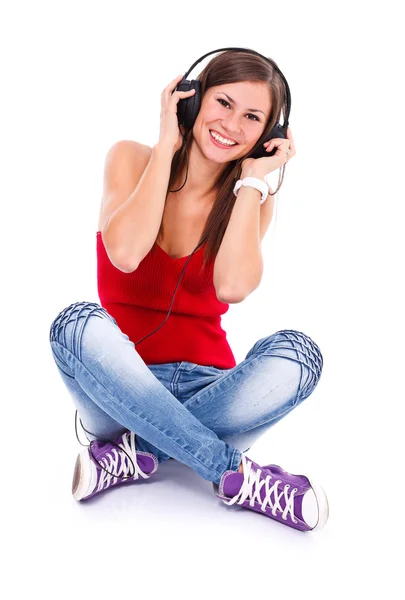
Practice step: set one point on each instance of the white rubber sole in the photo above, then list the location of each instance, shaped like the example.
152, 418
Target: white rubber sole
84, 477
315, 508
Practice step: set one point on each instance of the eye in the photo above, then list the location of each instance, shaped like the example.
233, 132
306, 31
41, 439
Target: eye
222, 100
250, 114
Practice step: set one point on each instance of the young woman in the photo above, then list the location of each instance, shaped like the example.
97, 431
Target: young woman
149, 388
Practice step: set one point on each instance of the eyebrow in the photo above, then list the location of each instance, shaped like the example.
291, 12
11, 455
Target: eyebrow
251, 109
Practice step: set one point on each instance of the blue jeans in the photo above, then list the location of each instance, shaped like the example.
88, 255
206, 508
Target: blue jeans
202, 416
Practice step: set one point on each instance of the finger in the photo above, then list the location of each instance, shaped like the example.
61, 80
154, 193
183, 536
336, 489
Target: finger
274, 140
170, 87
271, 147
177, 95
174, 97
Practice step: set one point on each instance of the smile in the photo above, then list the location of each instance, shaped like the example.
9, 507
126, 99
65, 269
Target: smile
221, 141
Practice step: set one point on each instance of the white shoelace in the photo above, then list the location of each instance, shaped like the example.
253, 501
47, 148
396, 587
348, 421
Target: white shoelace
118, 463
252, 478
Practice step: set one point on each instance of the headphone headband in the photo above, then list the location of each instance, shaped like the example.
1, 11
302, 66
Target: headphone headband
272, 63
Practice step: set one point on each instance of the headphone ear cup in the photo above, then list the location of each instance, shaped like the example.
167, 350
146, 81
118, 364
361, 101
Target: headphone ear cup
277, 132
188, 108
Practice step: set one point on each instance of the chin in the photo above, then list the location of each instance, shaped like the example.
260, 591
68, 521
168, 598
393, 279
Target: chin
219, 155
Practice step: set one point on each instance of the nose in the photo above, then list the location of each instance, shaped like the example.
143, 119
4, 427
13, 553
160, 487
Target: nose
231, 125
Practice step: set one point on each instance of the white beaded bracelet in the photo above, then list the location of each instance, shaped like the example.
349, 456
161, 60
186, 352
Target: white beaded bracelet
254, 182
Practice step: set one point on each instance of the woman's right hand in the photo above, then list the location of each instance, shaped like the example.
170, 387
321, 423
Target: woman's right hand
169, 126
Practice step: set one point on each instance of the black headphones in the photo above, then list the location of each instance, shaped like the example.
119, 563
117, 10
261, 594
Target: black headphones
187, 111
188, 108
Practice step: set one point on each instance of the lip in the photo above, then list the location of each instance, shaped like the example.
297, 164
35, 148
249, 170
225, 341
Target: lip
224, 136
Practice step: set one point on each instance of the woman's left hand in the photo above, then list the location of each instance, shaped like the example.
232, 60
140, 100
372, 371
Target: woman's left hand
259, 167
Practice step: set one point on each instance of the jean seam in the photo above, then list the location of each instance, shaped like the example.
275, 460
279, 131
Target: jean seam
58, 361
174, 386
237, 453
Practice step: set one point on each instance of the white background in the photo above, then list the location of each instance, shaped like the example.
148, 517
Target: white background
79, 76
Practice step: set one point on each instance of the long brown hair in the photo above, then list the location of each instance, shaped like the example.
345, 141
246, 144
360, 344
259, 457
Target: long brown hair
229, 67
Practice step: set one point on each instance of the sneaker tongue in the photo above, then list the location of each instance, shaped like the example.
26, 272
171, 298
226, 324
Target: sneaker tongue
98, 446
233, 481
145, 461
232, 484
100, 449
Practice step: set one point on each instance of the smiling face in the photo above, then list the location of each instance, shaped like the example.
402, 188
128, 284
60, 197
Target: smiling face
238, 112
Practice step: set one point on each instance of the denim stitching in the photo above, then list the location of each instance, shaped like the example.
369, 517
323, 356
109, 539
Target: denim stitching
67, 315
308, 354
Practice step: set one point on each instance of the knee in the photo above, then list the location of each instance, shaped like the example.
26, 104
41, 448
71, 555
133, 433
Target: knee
73, 314
293, 345
307, 350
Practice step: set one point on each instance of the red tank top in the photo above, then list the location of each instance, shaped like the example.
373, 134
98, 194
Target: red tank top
139, 302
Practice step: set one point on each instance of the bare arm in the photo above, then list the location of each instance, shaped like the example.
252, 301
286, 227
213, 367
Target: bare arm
131, 230
132, 223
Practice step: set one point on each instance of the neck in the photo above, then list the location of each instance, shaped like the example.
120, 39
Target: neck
201, 176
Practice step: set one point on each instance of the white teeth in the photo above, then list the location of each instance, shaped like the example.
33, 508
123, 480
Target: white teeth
221, 139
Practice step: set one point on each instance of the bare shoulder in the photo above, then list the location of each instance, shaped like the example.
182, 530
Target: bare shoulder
125, 150
131, 145
124, 165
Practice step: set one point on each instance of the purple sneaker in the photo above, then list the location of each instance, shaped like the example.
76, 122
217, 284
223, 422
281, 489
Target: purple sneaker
290, 499
91, 476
